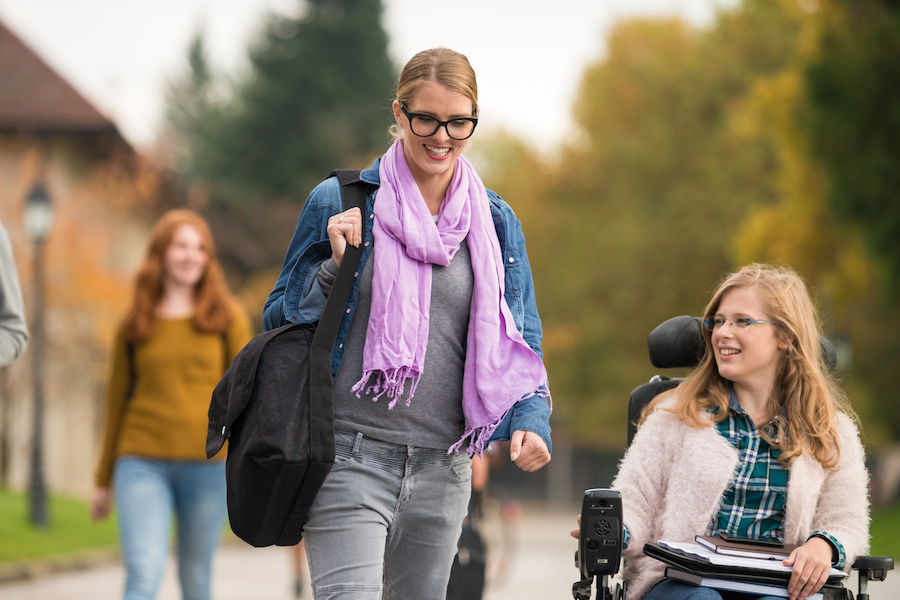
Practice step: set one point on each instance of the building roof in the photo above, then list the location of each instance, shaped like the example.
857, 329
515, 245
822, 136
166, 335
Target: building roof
35, 98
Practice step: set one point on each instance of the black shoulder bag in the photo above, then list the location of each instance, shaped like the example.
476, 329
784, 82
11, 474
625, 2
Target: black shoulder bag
274, 406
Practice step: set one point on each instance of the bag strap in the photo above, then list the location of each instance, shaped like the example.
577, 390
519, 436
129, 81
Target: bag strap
354, 191
321, 414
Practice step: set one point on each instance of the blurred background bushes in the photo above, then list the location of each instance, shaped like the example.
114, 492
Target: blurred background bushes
771, 134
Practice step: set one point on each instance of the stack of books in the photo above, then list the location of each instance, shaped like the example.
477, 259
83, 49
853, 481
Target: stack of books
731, 565
747, 549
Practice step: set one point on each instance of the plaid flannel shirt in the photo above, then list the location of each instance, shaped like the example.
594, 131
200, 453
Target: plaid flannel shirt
753, 506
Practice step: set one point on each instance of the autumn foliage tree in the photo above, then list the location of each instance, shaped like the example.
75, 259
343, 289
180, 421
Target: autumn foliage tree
634, 222
314, 99
693, 158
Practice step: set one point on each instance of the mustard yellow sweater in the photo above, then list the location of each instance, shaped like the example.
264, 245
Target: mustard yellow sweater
175, 373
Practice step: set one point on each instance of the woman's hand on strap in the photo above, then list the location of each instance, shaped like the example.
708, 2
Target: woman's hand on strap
344, 228
811, 564
528, 450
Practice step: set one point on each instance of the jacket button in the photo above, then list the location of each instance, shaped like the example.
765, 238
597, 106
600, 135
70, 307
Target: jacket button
511, 259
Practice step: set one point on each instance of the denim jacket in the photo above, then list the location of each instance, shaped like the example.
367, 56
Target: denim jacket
298, 298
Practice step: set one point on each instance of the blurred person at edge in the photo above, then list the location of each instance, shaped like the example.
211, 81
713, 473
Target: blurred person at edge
13, 332
758, 442
181, 333
443, 269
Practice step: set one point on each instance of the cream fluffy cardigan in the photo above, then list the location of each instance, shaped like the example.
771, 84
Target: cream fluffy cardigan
673, 477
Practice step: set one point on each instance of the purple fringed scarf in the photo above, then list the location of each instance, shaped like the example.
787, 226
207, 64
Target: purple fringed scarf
500, 367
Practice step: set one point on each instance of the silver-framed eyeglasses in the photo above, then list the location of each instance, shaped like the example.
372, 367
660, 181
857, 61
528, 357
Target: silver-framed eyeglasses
713, 323
424, 125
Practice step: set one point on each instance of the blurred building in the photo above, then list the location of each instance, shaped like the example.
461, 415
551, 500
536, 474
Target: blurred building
100, 192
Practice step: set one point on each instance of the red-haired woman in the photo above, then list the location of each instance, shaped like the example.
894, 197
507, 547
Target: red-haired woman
181, 333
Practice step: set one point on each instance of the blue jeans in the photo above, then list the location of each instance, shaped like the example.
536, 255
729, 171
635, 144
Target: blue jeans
668, 589
147, 492
386, 522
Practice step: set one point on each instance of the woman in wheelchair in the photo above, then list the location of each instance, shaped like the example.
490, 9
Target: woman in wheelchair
758, 442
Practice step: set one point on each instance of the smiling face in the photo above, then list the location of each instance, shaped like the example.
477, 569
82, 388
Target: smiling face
749, 358
433, 158
186, 257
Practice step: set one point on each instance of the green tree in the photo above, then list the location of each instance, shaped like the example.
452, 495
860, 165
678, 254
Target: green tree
853, 124
190, 110
636, 218
699, 151
829, 149
798, 228
315, 97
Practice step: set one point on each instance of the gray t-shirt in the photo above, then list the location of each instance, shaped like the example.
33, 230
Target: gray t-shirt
434, 418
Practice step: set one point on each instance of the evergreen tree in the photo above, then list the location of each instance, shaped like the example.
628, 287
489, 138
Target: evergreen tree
315, 98
189, 108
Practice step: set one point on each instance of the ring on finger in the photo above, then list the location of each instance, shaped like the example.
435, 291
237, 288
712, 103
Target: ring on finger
340, 220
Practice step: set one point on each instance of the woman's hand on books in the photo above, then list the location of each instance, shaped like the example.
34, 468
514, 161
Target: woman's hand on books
810, 565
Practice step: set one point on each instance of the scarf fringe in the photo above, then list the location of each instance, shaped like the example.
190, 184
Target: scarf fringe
390, 383
480, 436
543, 392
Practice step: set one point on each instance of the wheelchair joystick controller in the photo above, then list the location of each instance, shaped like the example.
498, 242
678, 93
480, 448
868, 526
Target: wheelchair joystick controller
599, 545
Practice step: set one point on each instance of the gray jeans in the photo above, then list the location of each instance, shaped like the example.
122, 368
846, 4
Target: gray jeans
386, 522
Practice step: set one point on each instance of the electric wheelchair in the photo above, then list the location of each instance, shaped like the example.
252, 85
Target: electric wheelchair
678, 343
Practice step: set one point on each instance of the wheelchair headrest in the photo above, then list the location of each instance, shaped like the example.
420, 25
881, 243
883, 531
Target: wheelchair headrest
678, 342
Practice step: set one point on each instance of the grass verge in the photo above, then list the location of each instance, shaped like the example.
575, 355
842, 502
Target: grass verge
70, 529
886, 532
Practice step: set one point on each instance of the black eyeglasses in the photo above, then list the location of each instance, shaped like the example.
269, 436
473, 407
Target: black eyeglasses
425, 125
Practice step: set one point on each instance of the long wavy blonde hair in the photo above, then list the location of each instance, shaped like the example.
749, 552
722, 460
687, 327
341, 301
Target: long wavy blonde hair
805, 393
214, 307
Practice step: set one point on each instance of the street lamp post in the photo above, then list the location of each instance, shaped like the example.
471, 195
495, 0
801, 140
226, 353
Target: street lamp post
38, 220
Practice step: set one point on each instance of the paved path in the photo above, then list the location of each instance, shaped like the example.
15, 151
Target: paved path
541, 569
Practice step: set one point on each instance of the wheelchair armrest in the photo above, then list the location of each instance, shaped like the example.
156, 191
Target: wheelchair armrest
876, 567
